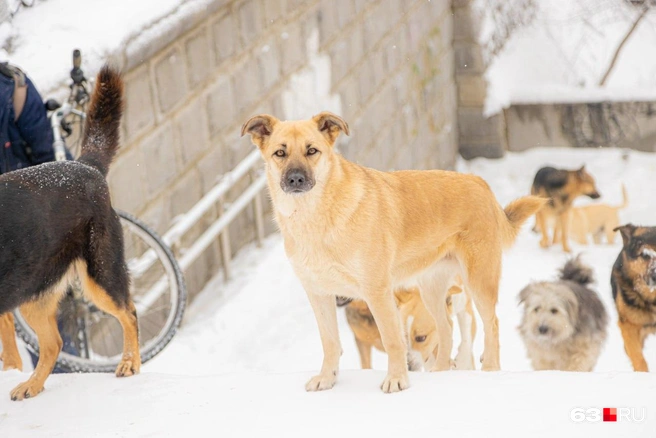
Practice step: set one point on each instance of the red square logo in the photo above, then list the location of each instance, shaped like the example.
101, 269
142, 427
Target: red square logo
610, 414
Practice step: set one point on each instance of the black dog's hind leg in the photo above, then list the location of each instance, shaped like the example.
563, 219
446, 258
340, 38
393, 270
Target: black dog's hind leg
106, 283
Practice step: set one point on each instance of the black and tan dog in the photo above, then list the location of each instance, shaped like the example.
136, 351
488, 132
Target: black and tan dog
633, 280
561, 187
57, 221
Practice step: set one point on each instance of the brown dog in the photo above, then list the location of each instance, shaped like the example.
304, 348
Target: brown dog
561, 187
633, 280
420, 328
363, 233
598, 220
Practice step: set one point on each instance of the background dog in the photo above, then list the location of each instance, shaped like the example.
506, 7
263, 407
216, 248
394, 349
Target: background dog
633, 280
362, 233
420, 328
57, 221
597, 220
561, 187
564, 322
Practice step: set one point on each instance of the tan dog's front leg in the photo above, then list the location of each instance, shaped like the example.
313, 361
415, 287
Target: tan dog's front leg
364, 350
325, 311
388, 320
541, 222
10, 357
563, 219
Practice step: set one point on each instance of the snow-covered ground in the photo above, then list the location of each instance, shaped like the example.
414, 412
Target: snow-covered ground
238, 366
562, 55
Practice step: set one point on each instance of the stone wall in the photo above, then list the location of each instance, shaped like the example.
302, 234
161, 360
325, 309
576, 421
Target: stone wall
479, 136
602, 124
385, 65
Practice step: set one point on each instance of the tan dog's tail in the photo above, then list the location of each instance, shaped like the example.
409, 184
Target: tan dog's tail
625, 199
516, 214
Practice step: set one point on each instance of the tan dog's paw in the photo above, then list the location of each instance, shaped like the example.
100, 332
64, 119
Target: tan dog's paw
25, 390
321, 382
128, 368
544, 243
490, 366
395, 383
11, 363
464, 362
442, 365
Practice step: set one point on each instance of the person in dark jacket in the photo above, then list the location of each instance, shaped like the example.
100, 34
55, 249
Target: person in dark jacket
25, 134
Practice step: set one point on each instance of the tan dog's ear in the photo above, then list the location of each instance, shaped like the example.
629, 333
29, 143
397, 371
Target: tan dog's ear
626, 231
403, 296
330, 125
259, 127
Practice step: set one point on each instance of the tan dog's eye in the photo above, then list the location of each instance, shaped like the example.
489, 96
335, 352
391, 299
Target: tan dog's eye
312, 151
554, 311
420, 338
537, 309
280, 153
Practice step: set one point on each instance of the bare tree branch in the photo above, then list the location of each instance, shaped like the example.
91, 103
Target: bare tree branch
645, 9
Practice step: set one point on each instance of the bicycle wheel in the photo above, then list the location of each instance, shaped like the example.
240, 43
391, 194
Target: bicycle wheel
93, 340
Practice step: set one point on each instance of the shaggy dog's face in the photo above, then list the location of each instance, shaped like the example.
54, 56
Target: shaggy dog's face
550, 313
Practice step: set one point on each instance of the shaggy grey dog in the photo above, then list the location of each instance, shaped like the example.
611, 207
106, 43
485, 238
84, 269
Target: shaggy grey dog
564, 322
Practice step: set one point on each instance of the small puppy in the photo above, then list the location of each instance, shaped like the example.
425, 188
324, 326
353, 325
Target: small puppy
597, 219
564, 322
420, 328
633, 280
561, 187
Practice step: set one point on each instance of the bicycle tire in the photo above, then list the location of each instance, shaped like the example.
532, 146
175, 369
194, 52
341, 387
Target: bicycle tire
69, 363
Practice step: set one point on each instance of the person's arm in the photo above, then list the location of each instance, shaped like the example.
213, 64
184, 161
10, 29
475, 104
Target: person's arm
34, 127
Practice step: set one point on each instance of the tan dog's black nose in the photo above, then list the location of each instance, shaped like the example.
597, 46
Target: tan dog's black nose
295, 179
543, 329
595, 195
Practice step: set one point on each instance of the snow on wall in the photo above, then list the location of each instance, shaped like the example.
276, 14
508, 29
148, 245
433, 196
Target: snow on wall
308, 91
118, 29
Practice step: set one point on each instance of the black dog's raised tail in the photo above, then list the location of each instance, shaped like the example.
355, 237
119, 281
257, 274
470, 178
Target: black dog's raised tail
574, 270
101, 133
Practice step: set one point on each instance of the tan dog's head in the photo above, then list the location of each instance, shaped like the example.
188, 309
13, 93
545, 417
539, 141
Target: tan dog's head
586, 183
297, 153
551, 312
421, 326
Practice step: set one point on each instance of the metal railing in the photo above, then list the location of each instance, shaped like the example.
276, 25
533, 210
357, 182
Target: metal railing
219, 228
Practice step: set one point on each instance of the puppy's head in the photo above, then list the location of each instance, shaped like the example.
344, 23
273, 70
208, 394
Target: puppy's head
297, 153
639, 252
550, 312
586, 183
421, 328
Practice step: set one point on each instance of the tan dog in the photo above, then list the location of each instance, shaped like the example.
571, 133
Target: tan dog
562, 187
598, 220
420, 328
363, 233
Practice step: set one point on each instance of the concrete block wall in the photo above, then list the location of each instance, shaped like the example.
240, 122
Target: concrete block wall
387, 66
629, 125
479, 136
